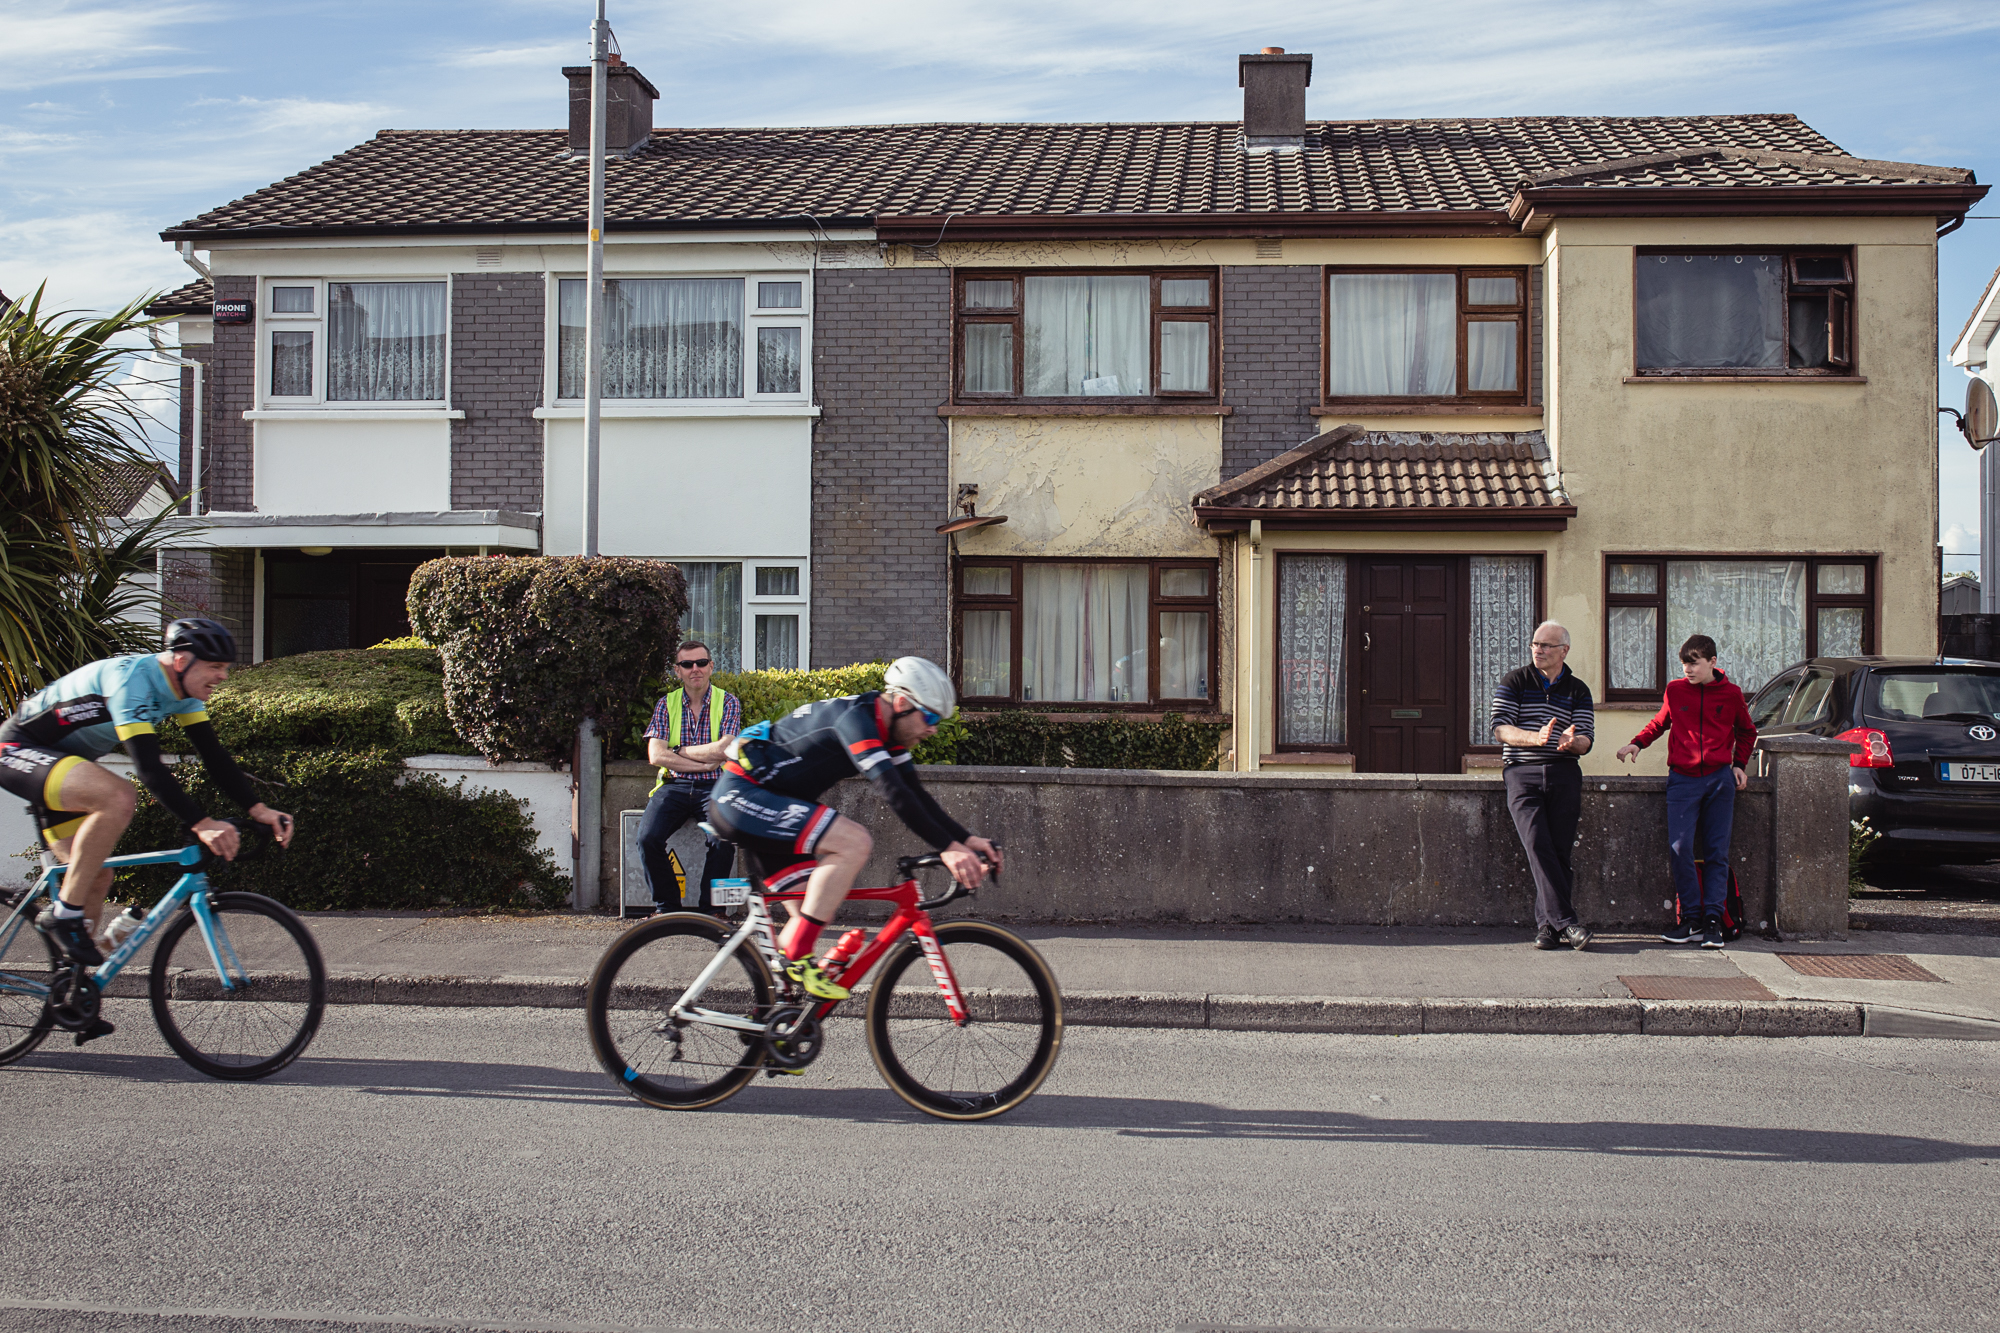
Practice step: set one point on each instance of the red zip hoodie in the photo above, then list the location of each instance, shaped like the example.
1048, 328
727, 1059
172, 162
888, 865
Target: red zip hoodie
1711, 727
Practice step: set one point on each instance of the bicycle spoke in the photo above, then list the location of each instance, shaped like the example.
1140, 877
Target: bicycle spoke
257, 1018
666, 1062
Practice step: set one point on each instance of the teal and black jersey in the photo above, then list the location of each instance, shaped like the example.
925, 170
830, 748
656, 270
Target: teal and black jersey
92, 710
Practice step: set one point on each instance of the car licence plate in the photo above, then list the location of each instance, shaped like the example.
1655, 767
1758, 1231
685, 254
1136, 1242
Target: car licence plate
1969, 772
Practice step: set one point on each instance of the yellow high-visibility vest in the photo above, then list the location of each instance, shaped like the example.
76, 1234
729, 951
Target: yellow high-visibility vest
675, 701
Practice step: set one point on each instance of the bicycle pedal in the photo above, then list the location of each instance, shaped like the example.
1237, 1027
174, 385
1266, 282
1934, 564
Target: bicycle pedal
779, 1073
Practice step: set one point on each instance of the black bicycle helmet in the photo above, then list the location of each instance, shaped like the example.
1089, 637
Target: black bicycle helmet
207, 639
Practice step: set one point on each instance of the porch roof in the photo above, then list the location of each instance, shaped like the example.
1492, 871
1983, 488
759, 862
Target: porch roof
1349, 477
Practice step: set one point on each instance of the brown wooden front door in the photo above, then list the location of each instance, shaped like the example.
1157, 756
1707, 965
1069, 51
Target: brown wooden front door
1410, 698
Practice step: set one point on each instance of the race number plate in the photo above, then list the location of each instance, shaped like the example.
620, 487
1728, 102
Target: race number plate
729, 892
1951, 772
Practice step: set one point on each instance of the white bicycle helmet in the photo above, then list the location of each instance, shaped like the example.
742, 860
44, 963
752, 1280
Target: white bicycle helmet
923, 681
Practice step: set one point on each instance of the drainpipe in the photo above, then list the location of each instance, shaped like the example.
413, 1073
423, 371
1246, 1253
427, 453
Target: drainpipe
1247, 758
160, 353
186, 249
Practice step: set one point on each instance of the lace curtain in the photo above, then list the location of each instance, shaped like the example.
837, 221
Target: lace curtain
1721, 311
715, 609
1503, 624
1755, 610
1087, 336
1392, 334
663, 338
1083, 634
384, 342
1312, 658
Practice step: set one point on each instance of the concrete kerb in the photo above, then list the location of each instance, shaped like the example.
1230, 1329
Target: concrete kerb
1307, 1013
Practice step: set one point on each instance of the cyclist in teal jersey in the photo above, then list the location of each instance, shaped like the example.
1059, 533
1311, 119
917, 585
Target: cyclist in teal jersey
48, 746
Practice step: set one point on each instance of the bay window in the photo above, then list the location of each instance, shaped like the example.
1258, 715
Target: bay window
1086, 632
1081, 337
694, 338
354, 342
1772, 312
1764, 615
1426, 335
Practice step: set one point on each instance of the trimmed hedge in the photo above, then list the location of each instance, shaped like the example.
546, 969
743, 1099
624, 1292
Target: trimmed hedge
351, 699
371, 834
768, 695
534, 644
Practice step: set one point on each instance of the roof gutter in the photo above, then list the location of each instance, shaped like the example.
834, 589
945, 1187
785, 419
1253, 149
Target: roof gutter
184, 235
1230, 518
923, 229
1533, 209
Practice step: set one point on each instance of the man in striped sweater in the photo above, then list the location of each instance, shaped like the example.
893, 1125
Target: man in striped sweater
1543, 719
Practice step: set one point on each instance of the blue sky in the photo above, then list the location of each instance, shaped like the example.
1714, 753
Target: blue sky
118, 118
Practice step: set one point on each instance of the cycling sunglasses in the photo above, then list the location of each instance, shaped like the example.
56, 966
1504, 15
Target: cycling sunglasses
930, 719
693, 662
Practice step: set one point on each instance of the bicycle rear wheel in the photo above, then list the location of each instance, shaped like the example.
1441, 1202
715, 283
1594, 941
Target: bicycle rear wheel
275, 991
988, 1065
28, 959
665, 1061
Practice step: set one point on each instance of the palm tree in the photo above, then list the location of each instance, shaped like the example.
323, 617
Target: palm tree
65, 428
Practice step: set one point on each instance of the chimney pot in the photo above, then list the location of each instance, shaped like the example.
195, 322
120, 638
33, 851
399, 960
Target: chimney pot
1274, 86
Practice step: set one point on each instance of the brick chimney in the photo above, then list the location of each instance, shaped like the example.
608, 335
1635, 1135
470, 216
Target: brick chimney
1274, 98
628, 107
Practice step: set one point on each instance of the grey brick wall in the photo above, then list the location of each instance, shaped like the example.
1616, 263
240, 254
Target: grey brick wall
881, 367
1270, 361
231, 391
217, 584
496, 380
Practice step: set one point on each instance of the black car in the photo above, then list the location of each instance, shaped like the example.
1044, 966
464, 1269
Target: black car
1928, 775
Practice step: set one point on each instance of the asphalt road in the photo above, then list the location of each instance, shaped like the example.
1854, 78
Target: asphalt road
437, 1168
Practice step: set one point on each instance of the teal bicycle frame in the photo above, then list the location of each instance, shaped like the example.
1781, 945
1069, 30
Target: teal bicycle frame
190, 889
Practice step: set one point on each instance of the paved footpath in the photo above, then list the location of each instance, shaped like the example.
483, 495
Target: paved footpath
1300, 979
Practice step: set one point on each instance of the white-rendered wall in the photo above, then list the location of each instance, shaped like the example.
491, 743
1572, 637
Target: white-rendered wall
359, 467
710, 487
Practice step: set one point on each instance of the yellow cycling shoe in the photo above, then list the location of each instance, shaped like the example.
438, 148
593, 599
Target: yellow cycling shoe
815, 982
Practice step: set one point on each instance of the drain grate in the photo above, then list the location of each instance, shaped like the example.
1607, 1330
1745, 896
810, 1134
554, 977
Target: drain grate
1858, 966
1696, 988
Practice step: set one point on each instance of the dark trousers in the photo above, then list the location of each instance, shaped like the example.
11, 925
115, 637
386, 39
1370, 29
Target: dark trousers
670, 807
1546, 801
1700, 813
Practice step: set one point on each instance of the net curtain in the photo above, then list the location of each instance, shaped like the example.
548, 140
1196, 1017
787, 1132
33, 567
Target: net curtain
663, 338
1392, 334
1084, 632
1312, 661
1088, 336
1755, 610
1503, 625
384, 342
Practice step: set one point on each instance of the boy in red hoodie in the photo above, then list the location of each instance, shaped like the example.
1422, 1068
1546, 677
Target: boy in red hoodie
1709, 742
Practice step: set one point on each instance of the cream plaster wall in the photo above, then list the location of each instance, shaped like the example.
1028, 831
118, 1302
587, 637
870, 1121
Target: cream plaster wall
360, 467
1162, 253
1087, 486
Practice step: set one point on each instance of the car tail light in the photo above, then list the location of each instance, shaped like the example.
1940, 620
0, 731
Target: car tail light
1874, 748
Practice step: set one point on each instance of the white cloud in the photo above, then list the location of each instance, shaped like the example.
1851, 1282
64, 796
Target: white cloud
95, 260
1959, 540
59, 41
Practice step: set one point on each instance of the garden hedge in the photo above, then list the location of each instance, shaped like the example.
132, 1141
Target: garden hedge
350, 699
534, 644
371, 834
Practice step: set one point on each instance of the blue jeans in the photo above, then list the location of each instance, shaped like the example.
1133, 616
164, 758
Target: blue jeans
1699, 814
669, 808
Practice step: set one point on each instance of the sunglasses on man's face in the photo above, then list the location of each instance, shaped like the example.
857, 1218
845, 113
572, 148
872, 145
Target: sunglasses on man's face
692, 663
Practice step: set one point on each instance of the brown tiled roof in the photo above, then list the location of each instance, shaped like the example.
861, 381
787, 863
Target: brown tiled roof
1350, 473
124, 485
473, 180
197, 298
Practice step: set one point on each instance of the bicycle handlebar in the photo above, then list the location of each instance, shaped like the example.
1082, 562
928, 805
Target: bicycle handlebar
907, 866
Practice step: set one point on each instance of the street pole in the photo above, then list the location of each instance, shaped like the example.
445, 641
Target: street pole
588, 834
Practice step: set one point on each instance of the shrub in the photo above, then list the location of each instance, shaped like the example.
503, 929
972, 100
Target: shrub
769, 695
1049, 740
534, 644
407, 641
351, 699
371, 834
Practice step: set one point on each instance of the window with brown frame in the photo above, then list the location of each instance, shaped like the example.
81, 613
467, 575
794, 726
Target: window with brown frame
1743, 312
1764, 613
1426, 335
1107, 633
1084, 337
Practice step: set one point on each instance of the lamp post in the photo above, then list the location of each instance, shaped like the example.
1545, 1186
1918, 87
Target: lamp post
589, 768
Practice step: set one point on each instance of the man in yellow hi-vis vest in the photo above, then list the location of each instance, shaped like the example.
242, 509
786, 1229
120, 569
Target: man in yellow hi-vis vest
695, 714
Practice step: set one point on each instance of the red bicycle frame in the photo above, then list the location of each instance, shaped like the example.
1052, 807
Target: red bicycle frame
910, 916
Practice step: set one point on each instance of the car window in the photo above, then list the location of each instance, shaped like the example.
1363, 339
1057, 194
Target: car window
1809, 701
1911, 694
1771, 699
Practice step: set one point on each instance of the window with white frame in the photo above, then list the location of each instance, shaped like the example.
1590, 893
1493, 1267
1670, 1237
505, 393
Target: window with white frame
691, 338
752, 614
340, 342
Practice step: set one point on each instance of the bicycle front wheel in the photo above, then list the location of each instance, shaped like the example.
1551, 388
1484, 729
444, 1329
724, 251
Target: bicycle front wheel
28, 959
254, 1013
662, 1060
992, 1062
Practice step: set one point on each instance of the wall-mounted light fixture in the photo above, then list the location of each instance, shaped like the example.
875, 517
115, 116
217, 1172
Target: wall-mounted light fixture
968, 515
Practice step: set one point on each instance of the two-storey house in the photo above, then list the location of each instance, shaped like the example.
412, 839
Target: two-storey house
1300, 425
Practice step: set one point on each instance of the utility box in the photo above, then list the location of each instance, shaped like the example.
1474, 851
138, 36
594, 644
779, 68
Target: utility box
687, 847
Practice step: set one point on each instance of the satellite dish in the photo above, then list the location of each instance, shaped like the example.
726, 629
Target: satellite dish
1982, 414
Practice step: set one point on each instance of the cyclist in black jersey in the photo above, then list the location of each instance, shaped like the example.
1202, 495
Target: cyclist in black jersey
767, 799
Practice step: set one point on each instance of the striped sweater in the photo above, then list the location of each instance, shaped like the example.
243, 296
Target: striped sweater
1526, 698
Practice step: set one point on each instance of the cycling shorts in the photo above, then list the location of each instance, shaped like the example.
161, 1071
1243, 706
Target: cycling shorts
780, 835
35, 773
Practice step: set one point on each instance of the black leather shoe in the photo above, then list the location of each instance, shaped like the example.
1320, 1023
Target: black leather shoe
72, 935
1577, 938
1545, 938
